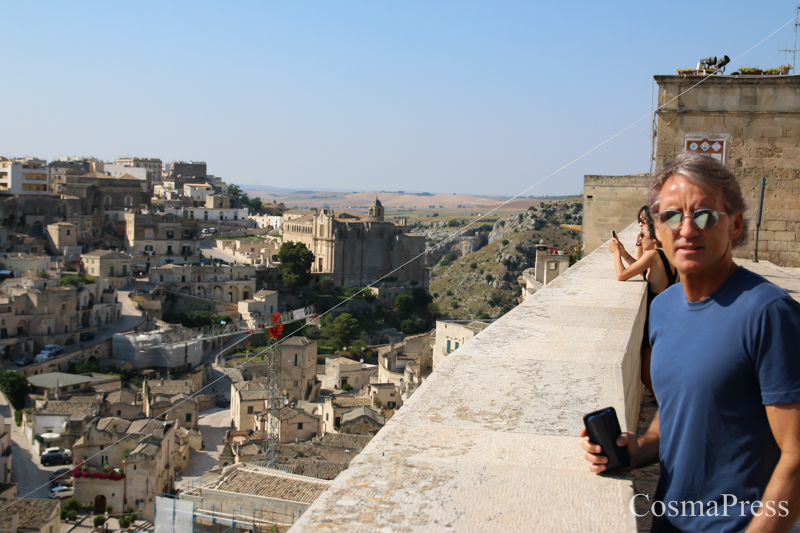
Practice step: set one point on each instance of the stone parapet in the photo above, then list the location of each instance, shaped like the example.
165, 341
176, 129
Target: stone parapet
490, 440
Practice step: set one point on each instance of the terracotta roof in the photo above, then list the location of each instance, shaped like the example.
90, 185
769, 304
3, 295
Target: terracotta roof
318, 468
271, 484
113, 425
146, 448
344, 440
286, 413
350, 401
250, 449
296, 341
358, 412
67, 408
121, 396
33, 514
145, 426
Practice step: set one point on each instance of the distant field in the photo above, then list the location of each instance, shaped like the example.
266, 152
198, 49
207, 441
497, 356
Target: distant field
399, 204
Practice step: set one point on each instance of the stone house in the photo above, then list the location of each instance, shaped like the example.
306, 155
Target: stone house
385, 395
337, 447
156, 240
248, 399
54, 384
341, 371
47, 316
293, 424
224, 283
364, 420
112, 265
66, 419
5, 451
62, 239
106, 196
336, 406
30, 516
257, 312
142, 449
122, 403
270, 496
174, 396
297, 358
356, 251
452, 334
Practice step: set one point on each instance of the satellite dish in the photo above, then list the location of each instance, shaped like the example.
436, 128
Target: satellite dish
285, 401
361, 360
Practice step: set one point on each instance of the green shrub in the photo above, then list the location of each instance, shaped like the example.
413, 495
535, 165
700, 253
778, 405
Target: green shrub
18, 417
72, 515
505, 242
489, 277
347, 387
448, 259
99, 521
449, 292
473, 265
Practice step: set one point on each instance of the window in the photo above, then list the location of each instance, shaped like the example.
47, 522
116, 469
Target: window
103, 459
128, 201
148, 247
170, 234
327, 415
299, 425
119, 412
249, 409
68, 233
63, 307
124, 269
169, 249
296, 360
111, 271
448, 346
188, 417
107, 201
296, 383
456, 345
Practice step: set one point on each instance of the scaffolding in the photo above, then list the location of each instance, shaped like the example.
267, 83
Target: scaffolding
275, 403
188, 514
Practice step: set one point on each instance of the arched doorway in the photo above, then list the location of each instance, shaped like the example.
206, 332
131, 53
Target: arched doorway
99, 504
233, 293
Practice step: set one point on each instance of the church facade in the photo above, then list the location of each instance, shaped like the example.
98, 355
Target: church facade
356, 251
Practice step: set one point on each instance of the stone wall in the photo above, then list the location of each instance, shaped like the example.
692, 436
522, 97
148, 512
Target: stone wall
757, 119
101, 350
490, 440
610, 203
176, 302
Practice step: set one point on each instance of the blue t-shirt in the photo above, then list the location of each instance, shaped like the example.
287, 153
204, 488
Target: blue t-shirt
715, 364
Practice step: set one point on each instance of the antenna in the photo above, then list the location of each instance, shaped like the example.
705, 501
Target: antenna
794, 47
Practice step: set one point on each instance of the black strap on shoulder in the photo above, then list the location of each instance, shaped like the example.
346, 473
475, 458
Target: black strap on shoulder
671, 276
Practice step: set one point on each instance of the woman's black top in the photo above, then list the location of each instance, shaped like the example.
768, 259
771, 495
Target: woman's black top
672, 277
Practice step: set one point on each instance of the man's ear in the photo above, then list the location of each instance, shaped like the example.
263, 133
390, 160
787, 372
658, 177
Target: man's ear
737, 225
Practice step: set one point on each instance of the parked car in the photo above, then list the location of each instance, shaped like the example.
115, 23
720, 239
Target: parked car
61, 474
223, 403
88, 336
42, 357
212, 230
25, 361
61, 492
61, 483
56, 458
64, 451
55, 349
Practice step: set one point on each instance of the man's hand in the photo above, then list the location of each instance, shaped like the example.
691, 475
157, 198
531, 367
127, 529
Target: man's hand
642, 450
594, 452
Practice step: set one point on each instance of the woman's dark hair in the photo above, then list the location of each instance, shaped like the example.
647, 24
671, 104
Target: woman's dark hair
644, 215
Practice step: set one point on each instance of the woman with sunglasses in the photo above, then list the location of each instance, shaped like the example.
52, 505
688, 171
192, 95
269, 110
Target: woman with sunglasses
658, 272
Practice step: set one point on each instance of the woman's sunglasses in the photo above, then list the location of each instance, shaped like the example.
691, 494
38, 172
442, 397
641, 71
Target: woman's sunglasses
704, 218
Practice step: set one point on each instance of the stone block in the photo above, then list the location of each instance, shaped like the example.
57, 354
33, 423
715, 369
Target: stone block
792, 247
774, 225
773, 131
784, 236
777, 246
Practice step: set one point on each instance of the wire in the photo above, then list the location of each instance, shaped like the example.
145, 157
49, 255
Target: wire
456, 233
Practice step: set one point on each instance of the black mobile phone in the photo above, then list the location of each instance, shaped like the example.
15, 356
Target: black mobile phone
603, 429
613, 233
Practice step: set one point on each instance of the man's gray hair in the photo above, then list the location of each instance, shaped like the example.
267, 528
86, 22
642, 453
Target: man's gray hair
711, 176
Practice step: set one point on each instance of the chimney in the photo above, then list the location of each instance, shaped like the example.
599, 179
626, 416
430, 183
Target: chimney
14, 522
347, 458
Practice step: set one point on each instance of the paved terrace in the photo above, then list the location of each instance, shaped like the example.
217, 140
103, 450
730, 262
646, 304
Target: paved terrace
489, 442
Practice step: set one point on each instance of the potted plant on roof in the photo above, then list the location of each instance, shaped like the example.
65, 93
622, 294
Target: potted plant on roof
686, 71
772, 72
785, 69
750, 71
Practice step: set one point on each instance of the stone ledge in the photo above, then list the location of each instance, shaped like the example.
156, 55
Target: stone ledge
489, 441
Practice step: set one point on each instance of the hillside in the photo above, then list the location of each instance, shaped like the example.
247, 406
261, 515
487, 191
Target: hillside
483, 284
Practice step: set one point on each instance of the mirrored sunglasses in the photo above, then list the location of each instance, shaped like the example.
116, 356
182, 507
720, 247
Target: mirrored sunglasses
704, 218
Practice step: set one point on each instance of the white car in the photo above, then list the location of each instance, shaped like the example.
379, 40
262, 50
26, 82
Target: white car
62, 451
61, 492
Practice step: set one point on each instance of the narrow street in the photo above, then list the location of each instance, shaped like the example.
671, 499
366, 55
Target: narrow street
213, 425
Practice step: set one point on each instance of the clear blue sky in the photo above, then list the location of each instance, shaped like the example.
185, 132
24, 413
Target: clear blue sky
469, 97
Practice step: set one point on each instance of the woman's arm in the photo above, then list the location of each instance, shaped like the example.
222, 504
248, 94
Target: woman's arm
638, 267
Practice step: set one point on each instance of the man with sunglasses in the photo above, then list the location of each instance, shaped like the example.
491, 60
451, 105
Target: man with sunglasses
725, 368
